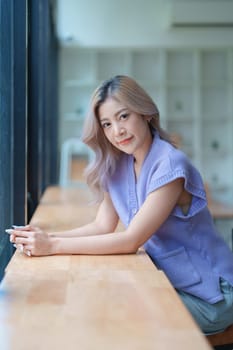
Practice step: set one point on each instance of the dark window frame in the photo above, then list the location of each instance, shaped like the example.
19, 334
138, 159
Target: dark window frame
13, 114
28, 112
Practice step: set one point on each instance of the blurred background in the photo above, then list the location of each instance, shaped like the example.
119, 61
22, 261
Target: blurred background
180, 51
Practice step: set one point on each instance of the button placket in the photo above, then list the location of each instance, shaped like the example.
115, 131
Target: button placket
133, 201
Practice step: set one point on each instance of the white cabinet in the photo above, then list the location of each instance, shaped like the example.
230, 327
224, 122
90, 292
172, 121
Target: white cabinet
216, 129
193, 89
181, 116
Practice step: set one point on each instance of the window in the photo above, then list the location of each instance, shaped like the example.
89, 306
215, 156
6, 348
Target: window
28, 112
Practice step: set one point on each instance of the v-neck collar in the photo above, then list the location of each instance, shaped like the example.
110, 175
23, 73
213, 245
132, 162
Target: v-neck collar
131, 169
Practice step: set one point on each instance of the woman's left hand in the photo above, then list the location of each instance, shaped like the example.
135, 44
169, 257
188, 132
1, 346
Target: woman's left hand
32, 240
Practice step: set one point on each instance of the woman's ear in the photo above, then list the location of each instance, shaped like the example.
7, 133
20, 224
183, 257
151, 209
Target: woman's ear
148, 118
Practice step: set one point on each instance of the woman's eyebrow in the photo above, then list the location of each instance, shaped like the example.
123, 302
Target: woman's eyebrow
103, 119
115, 114
120, 111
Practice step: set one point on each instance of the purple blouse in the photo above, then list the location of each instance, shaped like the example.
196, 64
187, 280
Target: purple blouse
187, 248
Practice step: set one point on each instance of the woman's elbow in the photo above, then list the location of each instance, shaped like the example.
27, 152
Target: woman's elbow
132, 246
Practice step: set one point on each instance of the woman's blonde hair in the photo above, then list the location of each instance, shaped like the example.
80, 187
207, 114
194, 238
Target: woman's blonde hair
126, 91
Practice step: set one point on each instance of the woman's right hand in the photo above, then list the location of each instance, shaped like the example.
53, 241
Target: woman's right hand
32, 240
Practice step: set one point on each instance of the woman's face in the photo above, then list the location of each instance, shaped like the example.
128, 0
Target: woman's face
127, 131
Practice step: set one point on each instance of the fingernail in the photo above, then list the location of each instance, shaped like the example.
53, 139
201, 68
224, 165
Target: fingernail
11, 239
9, 230
28, 253
20, 248
16, 226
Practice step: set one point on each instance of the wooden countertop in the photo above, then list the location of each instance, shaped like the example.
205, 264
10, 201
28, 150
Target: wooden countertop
89, 302
220, 210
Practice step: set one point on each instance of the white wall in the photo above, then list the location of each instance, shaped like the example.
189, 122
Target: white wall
137, 23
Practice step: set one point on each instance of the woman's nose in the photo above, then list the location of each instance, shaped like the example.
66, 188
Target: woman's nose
118, 129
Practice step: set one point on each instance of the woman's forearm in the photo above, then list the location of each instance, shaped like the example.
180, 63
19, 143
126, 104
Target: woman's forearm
91, 229
112, 243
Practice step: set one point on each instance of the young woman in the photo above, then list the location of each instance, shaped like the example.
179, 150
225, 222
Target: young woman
141, 178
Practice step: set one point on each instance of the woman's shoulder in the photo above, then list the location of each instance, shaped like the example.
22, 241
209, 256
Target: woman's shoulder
164, 153
168, 162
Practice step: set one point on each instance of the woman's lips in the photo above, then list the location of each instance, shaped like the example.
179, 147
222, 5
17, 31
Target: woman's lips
125, 141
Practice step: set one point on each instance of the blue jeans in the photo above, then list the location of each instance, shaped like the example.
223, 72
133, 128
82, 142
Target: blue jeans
211, 318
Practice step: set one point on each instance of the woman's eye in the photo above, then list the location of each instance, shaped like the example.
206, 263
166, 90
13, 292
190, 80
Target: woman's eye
124, 116
105, 125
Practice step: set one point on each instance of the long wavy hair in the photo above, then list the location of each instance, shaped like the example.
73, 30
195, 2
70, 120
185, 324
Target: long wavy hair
126, 91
